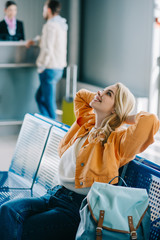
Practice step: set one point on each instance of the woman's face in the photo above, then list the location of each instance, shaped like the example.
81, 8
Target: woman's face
11, 11
103, 102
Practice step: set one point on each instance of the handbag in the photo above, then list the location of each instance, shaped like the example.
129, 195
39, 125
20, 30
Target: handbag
114, 212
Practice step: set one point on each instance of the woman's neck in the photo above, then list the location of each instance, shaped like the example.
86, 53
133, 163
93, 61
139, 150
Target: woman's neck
99, 118
10, 18
99, 121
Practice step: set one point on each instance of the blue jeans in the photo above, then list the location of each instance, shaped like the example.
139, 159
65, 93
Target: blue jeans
52, 216
46, 93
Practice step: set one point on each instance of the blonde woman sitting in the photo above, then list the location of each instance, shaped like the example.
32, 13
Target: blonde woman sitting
94, 149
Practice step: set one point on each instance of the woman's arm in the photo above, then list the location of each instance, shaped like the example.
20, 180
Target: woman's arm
84, 113
82, 101
138, 136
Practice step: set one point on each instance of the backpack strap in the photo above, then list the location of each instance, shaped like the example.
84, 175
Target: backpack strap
132, 229
99, 226
123, 174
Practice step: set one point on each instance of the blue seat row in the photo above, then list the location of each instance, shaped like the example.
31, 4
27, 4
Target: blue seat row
32, 159
142, 175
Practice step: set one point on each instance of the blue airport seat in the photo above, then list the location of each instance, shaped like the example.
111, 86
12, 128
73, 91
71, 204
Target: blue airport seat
9, 194
28, 152
148, 163
140, 175
46, 119
53, 122
47, 174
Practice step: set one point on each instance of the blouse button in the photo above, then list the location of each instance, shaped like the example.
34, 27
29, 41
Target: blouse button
82, 164
81, 183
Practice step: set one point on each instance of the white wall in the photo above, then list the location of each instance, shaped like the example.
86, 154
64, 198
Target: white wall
117, 42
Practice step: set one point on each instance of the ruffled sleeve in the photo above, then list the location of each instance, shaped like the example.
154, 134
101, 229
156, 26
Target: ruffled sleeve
137, 137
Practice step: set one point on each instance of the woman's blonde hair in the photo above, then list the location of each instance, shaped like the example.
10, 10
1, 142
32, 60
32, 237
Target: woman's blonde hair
124, 104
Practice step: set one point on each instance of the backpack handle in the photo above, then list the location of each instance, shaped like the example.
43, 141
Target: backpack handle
120, 179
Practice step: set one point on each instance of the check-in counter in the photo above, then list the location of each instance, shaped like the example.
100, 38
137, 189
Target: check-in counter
15, 54
18, 80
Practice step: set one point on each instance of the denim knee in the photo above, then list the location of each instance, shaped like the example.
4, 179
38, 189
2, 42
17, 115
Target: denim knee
7, 210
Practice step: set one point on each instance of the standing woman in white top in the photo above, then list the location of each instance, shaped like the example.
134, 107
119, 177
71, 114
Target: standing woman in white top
11, 29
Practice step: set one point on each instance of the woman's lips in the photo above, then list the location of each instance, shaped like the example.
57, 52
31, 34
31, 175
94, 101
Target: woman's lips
97, 99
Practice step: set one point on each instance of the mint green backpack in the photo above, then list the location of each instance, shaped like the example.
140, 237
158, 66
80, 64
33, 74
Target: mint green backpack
114, 213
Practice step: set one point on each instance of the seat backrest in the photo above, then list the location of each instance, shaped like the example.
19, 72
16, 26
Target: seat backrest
47, 173
53, 122
147, 162
140, 175
30, 147
46, 119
